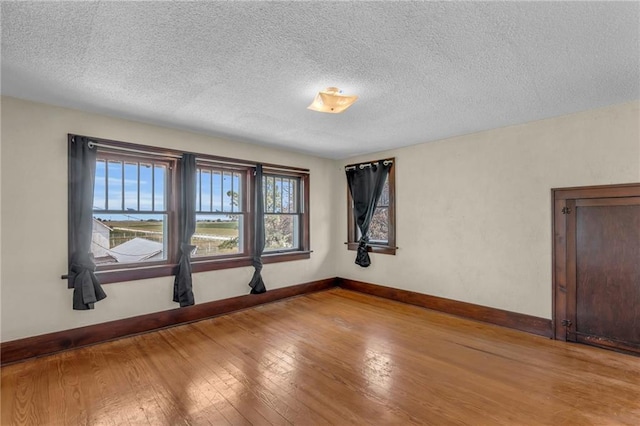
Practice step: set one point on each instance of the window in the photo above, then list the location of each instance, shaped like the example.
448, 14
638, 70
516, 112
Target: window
382, 235
130, 210
379, 227
283, 209
221, 211
135, 217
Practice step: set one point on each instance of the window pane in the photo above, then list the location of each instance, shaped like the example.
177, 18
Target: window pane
158, 187
115, 185
280, 194
281, 232
384, 196
131, 186
217, 192
269, 195
295, 204
286, 196
205, 191
128, 239
237, 187
146, 187
232, 199
217, 234
379, 228
198, 171
227, 191
100, 188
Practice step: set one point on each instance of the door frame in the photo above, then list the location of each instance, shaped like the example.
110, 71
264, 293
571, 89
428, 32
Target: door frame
564, 241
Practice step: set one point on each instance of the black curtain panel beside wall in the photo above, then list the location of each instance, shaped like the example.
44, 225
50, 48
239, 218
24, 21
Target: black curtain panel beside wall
82, 166
256, 283
366, 182
183, 284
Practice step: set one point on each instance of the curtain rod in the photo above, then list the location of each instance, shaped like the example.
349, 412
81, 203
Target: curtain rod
137, 151
228, 163
265, 167
92, 144
363, 165
290, 171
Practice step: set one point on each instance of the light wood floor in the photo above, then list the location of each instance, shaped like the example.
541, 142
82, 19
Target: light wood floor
335, 357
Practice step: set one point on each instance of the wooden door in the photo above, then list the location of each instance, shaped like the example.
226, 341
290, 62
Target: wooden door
597, 271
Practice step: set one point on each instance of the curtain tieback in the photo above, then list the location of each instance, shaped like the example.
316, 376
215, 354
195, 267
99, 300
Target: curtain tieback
362, 257
364, 241
187, 249
80, 264
257, 263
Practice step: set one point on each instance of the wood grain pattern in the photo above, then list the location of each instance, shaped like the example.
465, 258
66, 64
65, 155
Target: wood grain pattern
607, 290
570, 308
559, 278
566, 260
21, 349
332, 357
522, 322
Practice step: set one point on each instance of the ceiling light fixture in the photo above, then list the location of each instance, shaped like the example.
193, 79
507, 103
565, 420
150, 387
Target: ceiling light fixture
331, 100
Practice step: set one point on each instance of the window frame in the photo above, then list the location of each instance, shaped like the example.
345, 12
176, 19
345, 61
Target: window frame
135, 271
304, 249
247, 173
170, 211
299, 207
352, 230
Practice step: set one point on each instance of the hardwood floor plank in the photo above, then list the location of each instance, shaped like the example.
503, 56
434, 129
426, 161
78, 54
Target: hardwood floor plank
377, 383
303, 351
539, 370
145, 397
8, 393
272, 372
179, 396
225, 392
300, 351
92, 376
123, 396
26, 404
334, 357
236, 390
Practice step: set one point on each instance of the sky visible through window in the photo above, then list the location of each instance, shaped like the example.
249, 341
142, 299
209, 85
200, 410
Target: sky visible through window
143, 186
144, 191
218, 191
131, 202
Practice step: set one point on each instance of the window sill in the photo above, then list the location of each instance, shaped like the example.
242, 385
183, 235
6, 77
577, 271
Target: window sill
285, 256
374, 248
237, 262
133, 274
165, 270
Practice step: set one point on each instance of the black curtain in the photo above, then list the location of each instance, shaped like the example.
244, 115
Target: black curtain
182, 284
256, 283
82, 167
365, 186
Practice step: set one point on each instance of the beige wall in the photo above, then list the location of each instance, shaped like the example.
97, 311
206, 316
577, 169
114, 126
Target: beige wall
0, 226
474, 212
34, 221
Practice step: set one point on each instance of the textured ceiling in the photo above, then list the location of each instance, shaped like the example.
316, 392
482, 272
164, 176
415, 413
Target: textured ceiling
248, 70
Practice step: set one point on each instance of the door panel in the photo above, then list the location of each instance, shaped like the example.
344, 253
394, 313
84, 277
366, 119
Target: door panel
606, 289
596, 255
